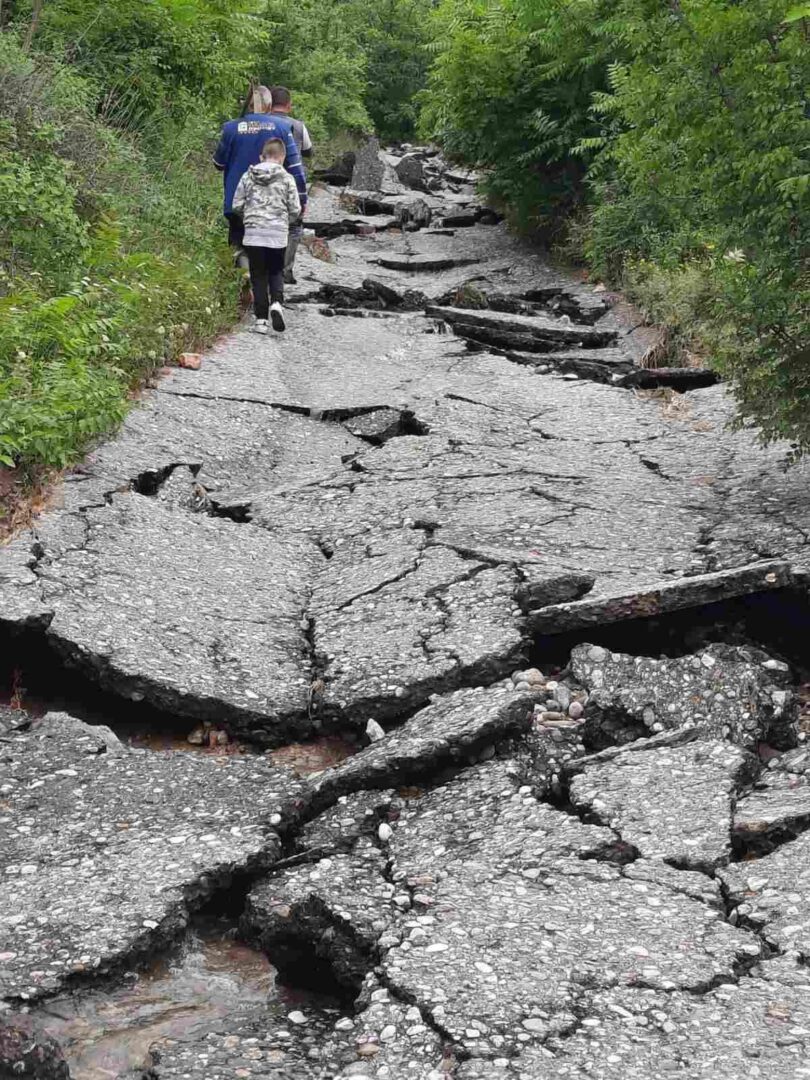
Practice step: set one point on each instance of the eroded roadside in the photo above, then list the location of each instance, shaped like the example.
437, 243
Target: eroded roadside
575, 612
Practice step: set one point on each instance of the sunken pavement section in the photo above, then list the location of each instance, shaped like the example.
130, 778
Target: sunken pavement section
451, 455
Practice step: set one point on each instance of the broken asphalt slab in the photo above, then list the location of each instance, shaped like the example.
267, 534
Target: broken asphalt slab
106, 854
671, 803
217, 633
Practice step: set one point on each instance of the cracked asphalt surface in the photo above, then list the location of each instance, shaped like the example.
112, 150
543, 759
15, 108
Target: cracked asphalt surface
596, 870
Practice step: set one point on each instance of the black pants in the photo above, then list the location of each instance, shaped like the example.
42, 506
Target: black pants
266, 278
236, 230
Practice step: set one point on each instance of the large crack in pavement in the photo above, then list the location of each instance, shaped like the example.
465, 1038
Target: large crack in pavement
368, 525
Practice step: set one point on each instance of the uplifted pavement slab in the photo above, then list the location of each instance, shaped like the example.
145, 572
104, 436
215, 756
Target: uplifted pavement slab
451, 729
520, 331
199, 616
672, 802
777, 808
339, 907
773, 895
730, 692
105, 854
232, 445
757, 1027
480, 823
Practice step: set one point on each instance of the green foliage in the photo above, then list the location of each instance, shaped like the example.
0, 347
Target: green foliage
683, 126
314, 48
511, 89
150, 61
111, 259
395, 40
352, 64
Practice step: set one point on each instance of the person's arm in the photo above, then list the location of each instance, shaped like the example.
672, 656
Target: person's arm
306, 142
222, 153
294, 167
293, 201
240, 198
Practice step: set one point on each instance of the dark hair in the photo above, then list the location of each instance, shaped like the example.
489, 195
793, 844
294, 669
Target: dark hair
281, 95
274, 147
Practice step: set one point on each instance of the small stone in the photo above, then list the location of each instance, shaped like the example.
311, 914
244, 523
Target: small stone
297, 1018
385, 832
535, 1024
375, 731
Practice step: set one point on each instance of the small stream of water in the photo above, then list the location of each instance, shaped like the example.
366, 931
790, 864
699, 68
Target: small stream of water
107, 1032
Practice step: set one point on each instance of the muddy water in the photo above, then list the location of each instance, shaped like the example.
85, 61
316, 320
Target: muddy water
104, 1034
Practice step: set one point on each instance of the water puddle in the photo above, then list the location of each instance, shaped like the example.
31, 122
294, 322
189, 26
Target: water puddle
105, 1034
305, 759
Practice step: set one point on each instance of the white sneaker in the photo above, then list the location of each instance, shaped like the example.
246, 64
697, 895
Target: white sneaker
277, 317
260, 326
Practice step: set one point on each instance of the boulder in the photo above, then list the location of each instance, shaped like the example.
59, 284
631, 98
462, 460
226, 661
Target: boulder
411, 172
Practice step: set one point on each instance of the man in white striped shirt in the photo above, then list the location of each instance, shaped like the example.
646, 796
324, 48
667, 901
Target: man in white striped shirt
282, 106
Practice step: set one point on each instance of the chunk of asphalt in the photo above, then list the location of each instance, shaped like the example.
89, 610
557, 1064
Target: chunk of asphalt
671, 803
339, 828
338, 908
205, 620
754, 1027
773, 895
688, 592
106, 855
449, 731
94, 738
777, 809
729, 692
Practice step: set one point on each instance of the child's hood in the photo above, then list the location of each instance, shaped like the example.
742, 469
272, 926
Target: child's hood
267, 172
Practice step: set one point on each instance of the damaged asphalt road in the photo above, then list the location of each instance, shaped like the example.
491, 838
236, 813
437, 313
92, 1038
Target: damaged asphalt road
595, 870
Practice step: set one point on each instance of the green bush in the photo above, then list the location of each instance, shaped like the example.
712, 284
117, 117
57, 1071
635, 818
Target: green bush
112, 259
683, 128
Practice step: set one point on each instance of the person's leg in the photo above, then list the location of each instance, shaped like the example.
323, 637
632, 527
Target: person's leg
275, 264
236, 236
296, 232
236, 230
259, 280
275, 267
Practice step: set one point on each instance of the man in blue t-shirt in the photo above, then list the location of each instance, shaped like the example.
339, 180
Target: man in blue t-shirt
240, 146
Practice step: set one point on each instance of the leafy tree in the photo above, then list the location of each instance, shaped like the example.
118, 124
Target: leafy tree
314, 48
394, 35
684, 126
511, 89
